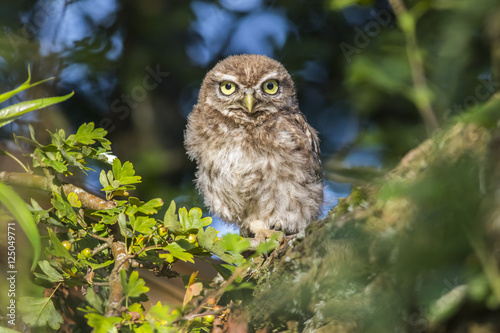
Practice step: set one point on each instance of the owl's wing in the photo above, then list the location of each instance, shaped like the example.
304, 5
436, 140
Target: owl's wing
313, 141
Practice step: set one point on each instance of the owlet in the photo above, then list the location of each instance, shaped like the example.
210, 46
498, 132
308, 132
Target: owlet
258, 159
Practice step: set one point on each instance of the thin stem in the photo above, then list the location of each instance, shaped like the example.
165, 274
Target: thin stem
48, 299
17, 160
152, 247
422, 98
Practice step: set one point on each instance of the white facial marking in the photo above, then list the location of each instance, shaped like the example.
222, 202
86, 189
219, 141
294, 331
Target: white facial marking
226, 77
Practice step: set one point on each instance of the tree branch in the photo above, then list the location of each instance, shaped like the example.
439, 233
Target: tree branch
88, 200
113, 308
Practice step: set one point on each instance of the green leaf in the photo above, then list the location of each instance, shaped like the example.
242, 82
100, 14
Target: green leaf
178, 252
94, 300
49, 159
18, 208
125, 174
26, 85
193, 220
59, 249
102, 324
52, 274
142, 224
122, 223
95, 265
135, 285
239, 286
207, 237
144, 328
341, 4
12, 112
170, 220
159, 312
234, 243
148, 208
87, 135
269, 245
73, 200
64, 210
39, 312
103, 179
151, 207
136, 307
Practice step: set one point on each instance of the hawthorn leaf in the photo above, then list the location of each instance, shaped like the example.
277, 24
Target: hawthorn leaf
52, 274
178, 252
170, 220
59, 249
142, 224
102, 324
135, 286
207, 237
39, 312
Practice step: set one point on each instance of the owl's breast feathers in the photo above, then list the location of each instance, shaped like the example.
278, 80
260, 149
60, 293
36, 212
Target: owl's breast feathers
270, 172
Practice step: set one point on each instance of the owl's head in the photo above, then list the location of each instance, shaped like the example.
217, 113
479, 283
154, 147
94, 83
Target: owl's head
247, 87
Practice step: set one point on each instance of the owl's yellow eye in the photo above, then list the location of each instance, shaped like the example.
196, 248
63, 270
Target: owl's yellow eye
227, 87
270, 87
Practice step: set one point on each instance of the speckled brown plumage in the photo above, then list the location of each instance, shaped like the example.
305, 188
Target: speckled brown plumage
258, 162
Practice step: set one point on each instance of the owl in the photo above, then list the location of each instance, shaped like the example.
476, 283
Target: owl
258, 159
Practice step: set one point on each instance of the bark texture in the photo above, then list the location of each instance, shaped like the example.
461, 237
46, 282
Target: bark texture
374, 263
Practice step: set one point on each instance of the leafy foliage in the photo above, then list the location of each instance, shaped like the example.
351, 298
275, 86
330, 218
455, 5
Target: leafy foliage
12, 112
8, 197
82, 250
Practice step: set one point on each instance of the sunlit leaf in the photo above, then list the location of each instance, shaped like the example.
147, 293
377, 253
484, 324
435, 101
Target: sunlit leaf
142, 224
26, 85
12, 112
74, 200
102, 324
178, 252
135, 286
234, 242
170, 220
207, 237
193, 220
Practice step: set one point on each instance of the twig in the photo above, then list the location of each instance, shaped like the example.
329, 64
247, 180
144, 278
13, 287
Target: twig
218, 293
152, 247
16, 159
102, 246
203, 314
422, 100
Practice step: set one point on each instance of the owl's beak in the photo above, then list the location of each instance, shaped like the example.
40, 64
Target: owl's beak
249, 102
